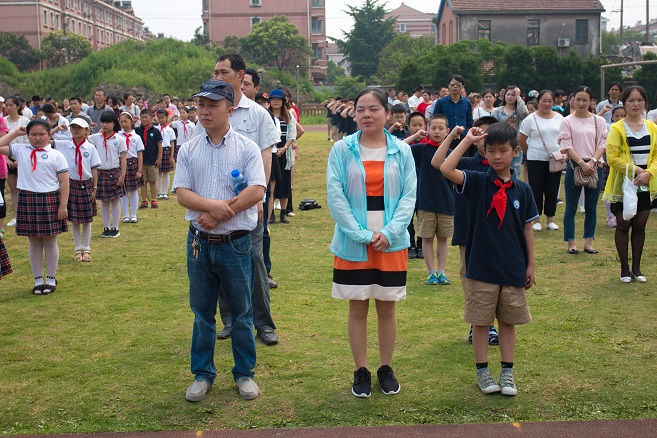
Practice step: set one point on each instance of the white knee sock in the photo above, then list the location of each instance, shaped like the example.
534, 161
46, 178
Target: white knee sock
51, 250
134, 202
158, 183
86, 237
124, 206
36, 259
116, 212
75, 229
165, 183
105, 212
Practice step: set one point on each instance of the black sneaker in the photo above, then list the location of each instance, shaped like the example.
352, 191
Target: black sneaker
412, 254
419, 254
387, 380
492, 336
114, 233
362, 383
106, 233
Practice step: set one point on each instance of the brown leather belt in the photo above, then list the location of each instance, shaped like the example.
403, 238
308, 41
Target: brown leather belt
218, 238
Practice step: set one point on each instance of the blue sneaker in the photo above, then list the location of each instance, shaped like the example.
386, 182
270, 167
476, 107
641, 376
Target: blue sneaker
442, 280
492, 336
432, 279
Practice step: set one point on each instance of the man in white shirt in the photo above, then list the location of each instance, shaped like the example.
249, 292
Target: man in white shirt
415, 99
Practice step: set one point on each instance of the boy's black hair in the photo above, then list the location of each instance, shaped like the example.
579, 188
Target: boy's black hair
559, 93
486, 120
532, 103
415, 114
457, 78
439, 117
615, 83
147, 112
110, 116
76, 98
501, 133
37, 122
617, 109
48, 108
255, 77
162, 111
193, 108
419, 88
398, 109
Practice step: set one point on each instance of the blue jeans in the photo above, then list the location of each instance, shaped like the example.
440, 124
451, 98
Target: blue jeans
516, 164
590, 205
229, 266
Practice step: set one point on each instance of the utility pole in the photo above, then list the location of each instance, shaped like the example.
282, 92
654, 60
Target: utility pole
620, 41
647, 21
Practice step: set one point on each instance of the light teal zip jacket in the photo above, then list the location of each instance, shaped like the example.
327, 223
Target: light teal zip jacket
347, 198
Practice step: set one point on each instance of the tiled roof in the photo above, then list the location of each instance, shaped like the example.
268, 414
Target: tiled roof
525, 5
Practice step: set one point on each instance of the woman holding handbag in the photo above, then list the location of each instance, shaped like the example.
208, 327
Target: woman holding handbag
632, 145
583, 137
538, 140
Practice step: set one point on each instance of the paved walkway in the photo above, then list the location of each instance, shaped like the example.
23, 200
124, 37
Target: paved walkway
646, 428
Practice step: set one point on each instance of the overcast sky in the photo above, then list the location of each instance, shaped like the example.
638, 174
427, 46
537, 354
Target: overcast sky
168, 17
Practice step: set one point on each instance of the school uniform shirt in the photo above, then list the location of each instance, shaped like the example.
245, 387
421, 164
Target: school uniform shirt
434, 191
88, 155
607, 115
460, 234
401, 133
185, 131
497, 253
153, 137
253, 122
41, 178
204, 168
168, 135
109, 150
133, 143
21, 122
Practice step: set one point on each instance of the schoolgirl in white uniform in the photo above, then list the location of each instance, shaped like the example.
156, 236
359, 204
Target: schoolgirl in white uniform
111, 173
168, 143
42, 199
83, 163
134, 164
185, 129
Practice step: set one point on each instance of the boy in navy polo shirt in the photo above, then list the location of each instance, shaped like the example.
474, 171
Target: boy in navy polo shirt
398, 128
152, 139
479, 163
435, 202
417, 126
499, 250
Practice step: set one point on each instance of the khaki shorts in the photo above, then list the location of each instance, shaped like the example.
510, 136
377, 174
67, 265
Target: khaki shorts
334, 130
485, 301
431, 224
329, 122
150, 173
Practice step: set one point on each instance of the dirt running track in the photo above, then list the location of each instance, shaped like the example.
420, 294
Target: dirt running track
646, 428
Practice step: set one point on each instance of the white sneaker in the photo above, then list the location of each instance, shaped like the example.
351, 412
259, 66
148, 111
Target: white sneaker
552, 226
537, 226
277, 205
12, 223
248, 388
197, 390
582, 209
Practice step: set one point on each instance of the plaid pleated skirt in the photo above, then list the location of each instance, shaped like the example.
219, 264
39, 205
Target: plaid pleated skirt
166, 165
5, 264
131, 182
107, 188
81, 205
37, 214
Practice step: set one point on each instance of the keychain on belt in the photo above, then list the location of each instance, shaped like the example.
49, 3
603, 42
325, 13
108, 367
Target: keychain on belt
196, 245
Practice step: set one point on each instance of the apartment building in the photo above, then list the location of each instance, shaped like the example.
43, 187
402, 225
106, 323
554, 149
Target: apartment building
222, 18
103, 22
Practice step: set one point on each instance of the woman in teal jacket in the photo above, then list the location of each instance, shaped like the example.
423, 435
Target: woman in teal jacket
371, 185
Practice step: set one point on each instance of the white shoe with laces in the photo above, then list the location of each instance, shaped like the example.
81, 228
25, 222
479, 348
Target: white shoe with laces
552, 226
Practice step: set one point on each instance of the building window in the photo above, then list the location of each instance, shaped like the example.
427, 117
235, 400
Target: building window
255, 3
317, 52
316, 3
254, 21
443, 34
45, 18
582, 31
206, 5
533, 31
317, 26
484, 30
52, 20
402, 27
451, 32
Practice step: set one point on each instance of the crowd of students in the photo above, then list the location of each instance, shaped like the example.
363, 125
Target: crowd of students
496, 141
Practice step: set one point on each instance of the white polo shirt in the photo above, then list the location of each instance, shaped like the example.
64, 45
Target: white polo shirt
49, 164
136, 144
168, 135
109, 150
89, 154
185, 131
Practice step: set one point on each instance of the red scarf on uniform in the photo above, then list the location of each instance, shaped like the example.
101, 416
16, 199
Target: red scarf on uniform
499, 200
105, 138
78, 156
146, 128
33, 157
430, 142
485, 161
127, 139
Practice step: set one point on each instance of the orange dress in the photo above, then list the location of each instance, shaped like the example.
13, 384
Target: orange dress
383, 275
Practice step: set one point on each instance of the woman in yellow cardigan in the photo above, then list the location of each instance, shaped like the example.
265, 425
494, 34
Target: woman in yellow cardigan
632, 141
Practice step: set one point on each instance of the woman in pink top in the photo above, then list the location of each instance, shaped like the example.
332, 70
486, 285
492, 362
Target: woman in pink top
3, 178
583, 137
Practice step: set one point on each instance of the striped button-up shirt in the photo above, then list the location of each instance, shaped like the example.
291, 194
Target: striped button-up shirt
204, 168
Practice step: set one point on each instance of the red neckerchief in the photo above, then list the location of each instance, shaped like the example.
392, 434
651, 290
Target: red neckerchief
127, 139
146, 128
33, 157
163, 127
499, 200
105, 138
78, 156
485, 161
430, 142
184, 127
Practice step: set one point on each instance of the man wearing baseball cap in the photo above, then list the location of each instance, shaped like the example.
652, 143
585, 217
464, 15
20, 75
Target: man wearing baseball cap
219, 239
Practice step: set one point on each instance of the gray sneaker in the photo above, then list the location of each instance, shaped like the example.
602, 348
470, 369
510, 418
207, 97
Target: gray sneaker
507, 383
487, 383
196, 392
248, 388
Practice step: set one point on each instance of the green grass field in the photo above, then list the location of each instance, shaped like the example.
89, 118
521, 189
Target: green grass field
109, 351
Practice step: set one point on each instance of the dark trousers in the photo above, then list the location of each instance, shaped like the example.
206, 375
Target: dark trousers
266, 241
544, 185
